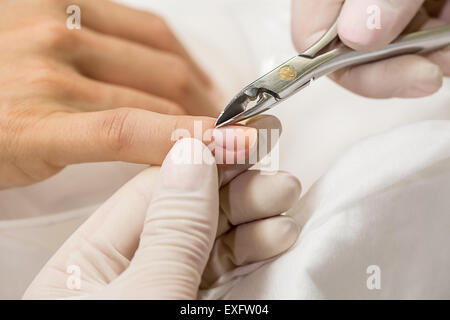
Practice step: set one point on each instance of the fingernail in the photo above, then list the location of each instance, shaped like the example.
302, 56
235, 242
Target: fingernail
235, 143
365, 25
187, 165
234, 138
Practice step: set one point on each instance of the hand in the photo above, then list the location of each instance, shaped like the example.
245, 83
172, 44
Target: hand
406, 76
153, 238
114, 90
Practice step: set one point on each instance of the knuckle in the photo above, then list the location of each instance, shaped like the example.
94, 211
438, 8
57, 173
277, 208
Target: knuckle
173, 108
160, 26
18, 121
53, 34
180, 79
164, 37
44, 74
117, 129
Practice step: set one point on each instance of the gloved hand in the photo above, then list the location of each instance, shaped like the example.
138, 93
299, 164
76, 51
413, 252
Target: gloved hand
153, 238
405, 76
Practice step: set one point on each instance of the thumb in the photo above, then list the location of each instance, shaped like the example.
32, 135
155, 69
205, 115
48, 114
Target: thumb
180, 227
364, 25
368, 25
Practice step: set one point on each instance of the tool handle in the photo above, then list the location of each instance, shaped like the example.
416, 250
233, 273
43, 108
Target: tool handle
414, 43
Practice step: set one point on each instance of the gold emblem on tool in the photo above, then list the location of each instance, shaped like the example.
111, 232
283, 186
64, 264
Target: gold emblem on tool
287, 73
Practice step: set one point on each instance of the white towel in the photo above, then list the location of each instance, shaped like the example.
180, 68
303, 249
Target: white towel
377, 225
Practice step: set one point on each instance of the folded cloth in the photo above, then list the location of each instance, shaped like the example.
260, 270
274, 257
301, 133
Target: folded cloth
37, 219
376, 226
26, 245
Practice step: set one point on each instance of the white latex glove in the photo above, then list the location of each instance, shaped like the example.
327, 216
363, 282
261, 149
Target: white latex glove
153, 238
406, 76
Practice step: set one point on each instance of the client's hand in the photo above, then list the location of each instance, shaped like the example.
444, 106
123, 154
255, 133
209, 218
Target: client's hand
153, 238
113, 90
368, 25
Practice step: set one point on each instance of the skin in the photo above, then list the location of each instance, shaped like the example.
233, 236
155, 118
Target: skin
113, 91
408, 76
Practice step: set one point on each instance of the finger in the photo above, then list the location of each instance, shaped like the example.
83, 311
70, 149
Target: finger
138, 26
442, 59
306, 31
439, 57
394, 16
268, 130
248, 243
354, 16
100, 252
247, 197
91, 95
406, 76
107, 59
123, 134
179, 229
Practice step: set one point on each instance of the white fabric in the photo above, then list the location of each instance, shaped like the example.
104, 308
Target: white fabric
385, 203
26, 245
36, 220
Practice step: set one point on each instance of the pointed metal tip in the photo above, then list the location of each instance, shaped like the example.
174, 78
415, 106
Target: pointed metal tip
220, 124
220, 121
237, 110
232, 111
224, 119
